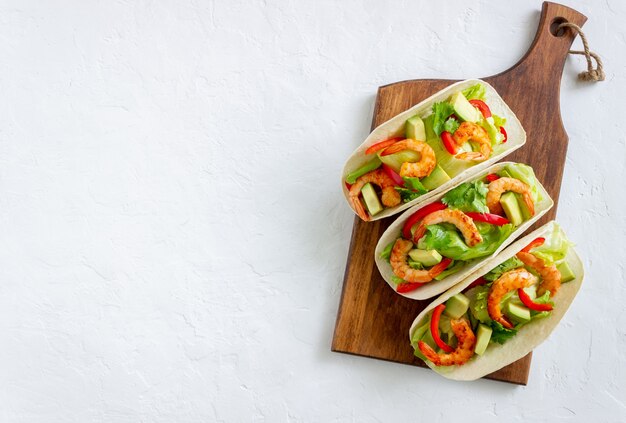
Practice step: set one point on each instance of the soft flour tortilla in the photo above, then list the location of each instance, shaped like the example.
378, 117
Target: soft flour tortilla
529, 336
395, 126
434, 288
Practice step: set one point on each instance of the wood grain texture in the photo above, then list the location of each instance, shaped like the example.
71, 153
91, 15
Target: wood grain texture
374, 321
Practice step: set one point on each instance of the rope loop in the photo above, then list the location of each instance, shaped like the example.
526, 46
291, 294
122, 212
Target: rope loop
591, 74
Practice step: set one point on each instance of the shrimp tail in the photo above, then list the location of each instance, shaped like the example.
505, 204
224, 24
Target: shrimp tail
359, 209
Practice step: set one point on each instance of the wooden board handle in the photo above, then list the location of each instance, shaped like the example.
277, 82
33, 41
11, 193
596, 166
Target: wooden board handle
537, 76
549, 46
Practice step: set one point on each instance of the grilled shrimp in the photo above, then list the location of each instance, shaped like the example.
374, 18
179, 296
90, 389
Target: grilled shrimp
390, 197
464, 348
400, 266
457, 218
419, 169
469, 131
499, 186
513, 279
550, 275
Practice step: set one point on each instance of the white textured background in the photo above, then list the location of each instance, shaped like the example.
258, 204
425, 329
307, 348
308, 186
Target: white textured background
173, 237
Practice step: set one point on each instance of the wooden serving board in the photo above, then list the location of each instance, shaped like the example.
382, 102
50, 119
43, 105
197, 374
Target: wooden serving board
374, 321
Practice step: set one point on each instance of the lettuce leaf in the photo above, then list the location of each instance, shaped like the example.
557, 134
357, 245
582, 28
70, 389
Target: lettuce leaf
386, 253
501, 334
468, 197
446, 239
451, 125
544, 299
525, 174
395, 279
412, 189
554, 248
477, 91
441, 111
414, 184
498, 121
414, 264
505, 266
451, 269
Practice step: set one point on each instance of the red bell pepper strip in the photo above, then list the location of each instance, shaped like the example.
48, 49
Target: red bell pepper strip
419, 215
482, 107
478, 282
448, 142
494, 219
405, 287
348, 186
397, 179
434, 328
492, 177
383, 144
528, 302
535, 243
503, 132
440, 267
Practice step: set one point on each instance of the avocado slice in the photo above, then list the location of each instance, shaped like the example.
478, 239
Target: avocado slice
456, 306
464, 109
511, 208
375, 163
483, 335
426, 257
567, 274
436, 178
414, 128
523, 207
395, 160
518, 313
371, 199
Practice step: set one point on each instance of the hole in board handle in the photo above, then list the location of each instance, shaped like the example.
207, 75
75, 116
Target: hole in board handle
554, 27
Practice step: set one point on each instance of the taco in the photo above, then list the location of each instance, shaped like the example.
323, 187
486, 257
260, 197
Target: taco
503, 310
430, 148
435, 245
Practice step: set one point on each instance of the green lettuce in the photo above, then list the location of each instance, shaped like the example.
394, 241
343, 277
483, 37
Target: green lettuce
451, 125
451, 269
498, 121
441, 111
477, 91
554, 248
501, 334
505, 266
414, 264
397, 280
525, 174
412, 189
407, 194
445, 238
544, 299
386, 253
468, 197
